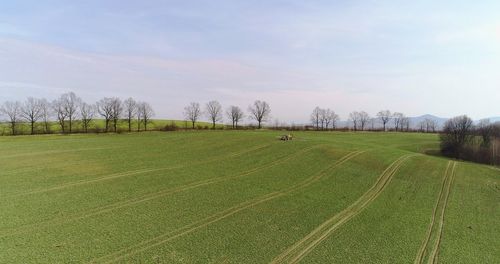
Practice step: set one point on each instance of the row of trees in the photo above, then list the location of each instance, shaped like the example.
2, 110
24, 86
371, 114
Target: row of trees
322, 119
327, 119
259, 111
69, 109
461, 139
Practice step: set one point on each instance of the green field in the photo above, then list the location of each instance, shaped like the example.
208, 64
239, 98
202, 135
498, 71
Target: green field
243, 197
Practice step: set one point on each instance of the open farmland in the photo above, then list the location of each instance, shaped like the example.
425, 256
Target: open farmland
243, 197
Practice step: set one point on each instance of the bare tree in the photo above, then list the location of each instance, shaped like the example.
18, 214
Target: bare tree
385, 116
260, 112
105, 109
235, 114
405, 124
116, 112
70, 103
61, 114
13, 111
213, 110
355, 119
325, 115
397, 117
192, 112
364, 117
45, 114
130, 106
31, 111
87, 113
146, 112
430, 125
323, 119
333, 118
316, 117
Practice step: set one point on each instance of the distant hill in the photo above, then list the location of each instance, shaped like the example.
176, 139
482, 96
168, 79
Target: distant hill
415, 121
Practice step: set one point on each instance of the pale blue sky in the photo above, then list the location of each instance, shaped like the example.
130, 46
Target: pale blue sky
416, 57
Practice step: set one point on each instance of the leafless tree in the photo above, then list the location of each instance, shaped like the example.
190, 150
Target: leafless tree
87, 113
235, 114
13, 111
364, 117
316, 117
213, 110
405, 124
192, 112
70, 103
422, 126
146, 112
385, 116
105, 109
31, 111
397, 117
46, 113
130, 106
333, 118
260, 112
117, 109
325, 115
61, 114
324, 119
428, 125
355, 119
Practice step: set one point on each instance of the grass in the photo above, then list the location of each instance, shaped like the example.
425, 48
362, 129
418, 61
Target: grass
242, 197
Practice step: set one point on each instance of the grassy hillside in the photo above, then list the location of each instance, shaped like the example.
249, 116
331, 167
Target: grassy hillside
243, 197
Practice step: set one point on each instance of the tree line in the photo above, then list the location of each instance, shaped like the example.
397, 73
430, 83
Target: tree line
259, 111
69, 110
325, 119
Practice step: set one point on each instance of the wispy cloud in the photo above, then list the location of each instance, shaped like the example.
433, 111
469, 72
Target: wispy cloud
347, 55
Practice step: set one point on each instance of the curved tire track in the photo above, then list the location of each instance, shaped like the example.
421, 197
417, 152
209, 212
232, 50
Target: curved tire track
148, 197
156, 241
300, 249
135, 172
425, 244
433, 258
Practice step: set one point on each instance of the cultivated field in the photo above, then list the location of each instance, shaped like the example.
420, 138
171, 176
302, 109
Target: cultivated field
243, 197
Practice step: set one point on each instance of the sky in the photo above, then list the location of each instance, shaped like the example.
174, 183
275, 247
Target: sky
415, 57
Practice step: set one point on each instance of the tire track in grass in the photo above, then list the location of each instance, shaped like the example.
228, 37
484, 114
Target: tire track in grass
433, 258
135, 172
159, 240
423, 248
19, 155
300, 249
148, 197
